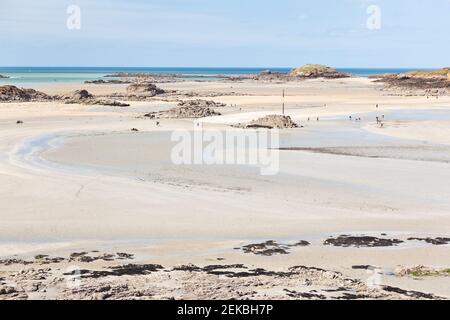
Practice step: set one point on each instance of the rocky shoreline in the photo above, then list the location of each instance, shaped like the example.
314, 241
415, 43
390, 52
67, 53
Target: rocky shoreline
308, 71
216, 281
11, 93
96, 275
84, 97
417, 83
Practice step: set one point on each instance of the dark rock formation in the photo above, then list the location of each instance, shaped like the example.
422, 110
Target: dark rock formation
201, 104
139, 75
144, 89
268, 75
308, 71
421, 82
113, 81
361, 241
183, 113
3, 77
270, 248
434, 241
11, 93
84, 97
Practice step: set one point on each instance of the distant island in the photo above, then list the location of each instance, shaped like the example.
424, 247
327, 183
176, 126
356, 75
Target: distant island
427, 82
307, 71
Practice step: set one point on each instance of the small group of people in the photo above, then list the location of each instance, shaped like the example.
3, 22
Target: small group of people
380, 121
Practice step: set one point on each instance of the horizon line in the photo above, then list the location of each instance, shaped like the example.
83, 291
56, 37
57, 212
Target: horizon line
220, 67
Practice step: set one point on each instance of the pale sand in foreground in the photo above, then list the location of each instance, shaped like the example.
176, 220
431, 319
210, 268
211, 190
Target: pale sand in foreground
74, 178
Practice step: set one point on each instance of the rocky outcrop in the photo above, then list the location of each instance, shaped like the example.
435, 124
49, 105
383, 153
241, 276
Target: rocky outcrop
201, 104
314, 71
3, 77
107, 102
139, 75
308, 71
268, 75
86, 98
183, 113
273, 121
420, 82
127, 77
11, 93
78, 96
111, 81
144, 89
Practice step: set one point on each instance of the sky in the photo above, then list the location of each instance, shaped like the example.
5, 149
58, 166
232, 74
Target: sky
225, 33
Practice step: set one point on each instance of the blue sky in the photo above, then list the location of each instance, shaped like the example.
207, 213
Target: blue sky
225, 33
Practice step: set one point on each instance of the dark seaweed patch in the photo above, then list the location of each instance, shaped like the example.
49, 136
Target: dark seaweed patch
436, 241
270, 248
361, 241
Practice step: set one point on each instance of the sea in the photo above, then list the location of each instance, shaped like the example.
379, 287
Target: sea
43, 75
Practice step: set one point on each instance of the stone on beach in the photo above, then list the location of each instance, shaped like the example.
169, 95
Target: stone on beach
10, 93
144, 89
84, 97
273, 121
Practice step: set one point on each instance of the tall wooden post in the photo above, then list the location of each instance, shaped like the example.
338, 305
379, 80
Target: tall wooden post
283, 103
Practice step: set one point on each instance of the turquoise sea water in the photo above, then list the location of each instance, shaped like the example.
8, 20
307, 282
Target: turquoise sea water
27, 75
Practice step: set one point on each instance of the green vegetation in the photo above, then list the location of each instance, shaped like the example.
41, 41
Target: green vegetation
422, 271
308, 68
444, 73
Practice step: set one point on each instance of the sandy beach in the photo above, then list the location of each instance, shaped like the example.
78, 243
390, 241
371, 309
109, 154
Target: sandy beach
353, 209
